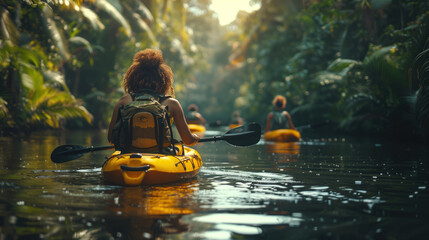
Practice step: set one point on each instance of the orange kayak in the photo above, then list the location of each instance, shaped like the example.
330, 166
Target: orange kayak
231, 126
282, 135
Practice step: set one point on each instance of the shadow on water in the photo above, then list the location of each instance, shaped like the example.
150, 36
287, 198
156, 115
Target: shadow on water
330, 188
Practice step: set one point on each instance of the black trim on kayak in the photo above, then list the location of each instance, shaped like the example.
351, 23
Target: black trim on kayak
135, 169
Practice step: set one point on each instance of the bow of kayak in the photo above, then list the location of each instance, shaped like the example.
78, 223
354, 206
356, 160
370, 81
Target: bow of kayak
282, 135
132, 169
231, 126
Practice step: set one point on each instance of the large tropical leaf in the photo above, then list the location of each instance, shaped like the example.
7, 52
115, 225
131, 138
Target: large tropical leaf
80, 41
57, 35
55, 79
342, 66
389, 81
139, 21
421, 75
107, 7
92, 18
422, 108
8, 30
52, 106
143, 11
3, 109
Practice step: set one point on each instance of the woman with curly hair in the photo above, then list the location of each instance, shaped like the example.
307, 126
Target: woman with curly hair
148, 72
279, 119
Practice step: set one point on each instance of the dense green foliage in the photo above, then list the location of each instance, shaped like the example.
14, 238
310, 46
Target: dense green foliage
360, 64
63, 61
349, 62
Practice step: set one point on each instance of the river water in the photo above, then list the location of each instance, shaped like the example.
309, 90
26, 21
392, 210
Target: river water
319, 188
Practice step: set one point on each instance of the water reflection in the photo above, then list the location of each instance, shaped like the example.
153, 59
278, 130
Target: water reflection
290, 148
151, 211
155, 200
314, 189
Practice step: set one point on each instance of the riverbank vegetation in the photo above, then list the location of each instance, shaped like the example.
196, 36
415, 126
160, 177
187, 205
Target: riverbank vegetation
361, 64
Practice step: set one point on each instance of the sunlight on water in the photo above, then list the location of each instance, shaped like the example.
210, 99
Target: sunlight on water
249, 219
315, 189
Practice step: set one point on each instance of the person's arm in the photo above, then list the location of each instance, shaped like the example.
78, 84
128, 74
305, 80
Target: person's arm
268, 126
123, 101
289, 118
176, 111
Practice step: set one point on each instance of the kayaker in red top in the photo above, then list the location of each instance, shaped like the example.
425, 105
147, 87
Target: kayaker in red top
149, 72
279, 119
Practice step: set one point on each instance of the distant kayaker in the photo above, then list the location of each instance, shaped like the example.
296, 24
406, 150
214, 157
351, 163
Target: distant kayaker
149, 74
279, 119
193, 116
236, 120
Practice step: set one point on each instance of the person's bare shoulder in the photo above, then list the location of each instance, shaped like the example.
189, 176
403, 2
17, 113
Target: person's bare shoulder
172, 103
124, 100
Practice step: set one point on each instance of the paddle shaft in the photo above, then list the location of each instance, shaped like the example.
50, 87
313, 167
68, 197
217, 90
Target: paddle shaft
245, 135
85, 150
226, 136
212, 139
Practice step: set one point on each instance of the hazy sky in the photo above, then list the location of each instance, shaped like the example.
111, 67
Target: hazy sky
227, 9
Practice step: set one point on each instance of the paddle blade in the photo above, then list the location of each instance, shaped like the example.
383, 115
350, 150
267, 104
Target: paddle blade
65, 153
245, 135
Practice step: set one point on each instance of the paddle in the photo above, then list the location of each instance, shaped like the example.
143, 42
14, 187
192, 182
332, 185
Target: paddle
65, 153
245, 135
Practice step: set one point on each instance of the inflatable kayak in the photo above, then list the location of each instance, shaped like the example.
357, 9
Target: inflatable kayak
133, 169
195, 128
282, 135
231, 126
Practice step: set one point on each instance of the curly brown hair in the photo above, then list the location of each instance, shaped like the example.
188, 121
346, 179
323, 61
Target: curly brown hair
148, 71
279, 101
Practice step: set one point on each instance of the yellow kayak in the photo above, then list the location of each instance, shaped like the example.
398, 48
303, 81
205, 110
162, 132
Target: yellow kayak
195, 128
282, 135
133, 169
231, 126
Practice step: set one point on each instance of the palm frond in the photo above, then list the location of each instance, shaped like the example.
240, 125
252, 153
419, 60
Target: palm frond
3, 109
73, 5
114, 13
82, 42
56, 79
8, 29
144, 12
92, 18
390, 80
422, 108
53, 105
57, 35
342, 66
139, 22
421, 74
